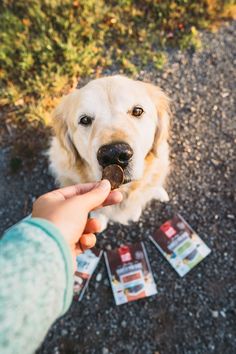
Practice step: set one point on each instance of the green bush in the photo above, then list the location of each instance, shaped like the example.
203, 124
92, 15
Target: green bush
46, 45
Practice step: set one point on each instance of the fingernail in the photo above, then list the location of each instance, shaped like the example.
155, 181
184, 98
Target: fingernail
104, 185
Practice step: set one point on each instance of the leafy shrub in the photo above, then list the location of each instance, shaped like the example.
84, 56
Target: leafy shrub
47, 45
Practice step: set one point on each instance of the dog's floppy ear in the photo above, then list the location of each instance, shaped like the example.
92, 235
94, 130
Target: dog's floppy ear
59, 119
162, 103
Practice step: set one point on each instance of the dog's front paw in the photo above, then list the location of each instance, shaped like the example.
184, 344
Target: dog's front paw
162, 195
103, 219
136, 214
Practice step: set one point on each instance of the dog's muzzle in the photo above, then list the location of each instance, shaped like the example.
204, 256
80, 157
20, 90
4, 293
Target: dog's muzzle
119, 153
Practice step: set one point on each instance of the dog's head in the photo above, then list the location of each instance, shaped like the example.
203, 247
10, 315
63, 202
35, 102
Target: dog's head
113, 120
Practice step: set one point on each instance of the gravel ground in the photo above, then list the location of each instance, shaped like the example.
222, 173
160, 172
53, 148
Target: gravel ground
195, 314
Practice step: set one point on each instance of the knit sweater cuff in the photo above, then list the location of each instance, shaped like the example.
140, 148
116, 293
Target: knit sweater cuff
53, 232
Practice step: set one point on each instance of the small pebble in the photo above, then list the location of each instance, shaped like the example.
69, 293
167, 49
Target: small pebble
224, 94
99, 277
215, 314
231, 216
223, 314
215, 162
123, 324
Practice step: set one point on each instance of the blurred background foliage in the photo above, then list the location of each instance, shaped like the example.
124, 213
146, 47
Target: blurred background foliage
46, 46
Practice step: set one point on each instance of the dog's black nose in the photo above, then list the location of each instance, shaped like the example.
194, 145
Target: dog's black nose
115, 153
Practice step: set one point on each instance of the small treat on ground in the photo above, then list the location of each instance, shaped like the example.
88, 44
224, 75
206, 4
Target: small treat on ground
114, 174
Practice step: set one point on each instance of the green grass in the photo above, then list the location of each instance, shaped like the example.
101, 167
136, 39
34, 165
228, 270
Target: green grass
48, 45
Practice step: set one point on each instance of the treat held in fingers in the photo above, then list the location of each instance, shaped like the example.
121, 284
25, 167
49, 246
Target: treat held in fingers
114, 174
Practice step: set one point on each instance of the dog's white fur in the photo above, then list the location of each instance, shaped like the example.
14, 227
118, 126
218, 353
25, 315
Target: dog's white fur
73, 151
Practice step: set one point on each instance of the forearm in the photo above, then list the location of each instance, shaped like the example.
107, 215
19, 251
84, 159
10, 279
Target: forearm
36, 284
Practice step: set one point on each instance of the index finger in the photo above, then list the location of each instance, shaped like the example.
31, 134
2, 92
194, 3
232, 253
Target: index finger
75, 190
114, 196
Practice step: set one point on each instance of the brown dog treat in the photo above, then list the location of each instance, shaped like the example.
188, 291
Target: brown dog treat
114, 174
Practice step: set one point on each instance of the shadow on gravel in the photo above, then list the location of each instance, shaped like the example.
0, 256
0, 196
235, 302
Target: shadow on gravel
24, 168
25, 140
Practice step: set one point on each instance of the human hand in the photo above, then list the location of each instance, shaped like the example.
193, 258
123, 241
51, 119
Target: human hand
68, 208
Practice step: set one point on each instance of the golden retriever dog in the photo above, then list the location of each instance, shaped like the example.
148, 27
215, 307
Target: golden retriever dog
114, 120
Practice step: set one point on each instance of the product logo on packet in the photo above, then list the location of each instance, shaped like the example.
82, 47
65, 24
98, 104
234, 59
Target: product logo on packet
124, 253
168, 230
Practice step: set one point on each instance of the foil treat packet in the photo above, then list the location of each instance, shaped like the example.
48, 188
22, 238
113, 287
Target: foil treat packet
180, 244
130, 273
86, 264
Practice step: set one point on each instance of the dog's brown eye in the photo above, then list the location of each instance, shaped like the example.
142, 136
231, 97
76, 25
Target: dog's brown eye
137, 111
86, 120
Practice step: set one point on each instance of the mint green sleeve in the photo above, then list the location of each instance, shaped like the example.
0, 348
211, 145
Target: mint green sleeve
36, 282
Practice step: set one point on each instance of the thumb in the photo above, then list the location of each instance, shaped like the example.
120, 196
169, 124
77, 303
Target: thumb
96, 196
